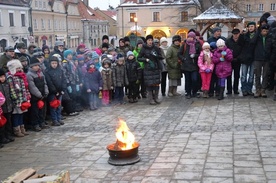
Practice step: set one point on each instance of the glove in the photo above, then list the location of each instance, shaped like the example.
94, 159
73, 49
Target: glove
57, 94
77, 88
62, 92
111, 87
223, 53
207, 70
69, 88
192, 55
137, 82
221, 59
88, 90
100, 88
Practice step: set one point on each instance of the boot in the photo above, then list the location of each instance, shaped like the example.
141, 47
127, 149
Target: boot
204, 95
151, 100
221, 93
170, 92
263, 94
23, 131
17, 132
207, 93
258, 93
155, 96
174, 91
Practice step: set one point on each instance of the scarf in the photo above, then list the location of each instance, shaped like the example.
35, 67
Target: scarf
24, 77
192, 46
91, 70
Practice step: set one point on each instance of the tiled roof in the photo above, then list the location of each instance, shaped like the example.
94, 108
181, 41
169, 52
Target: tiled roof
88, 13
109, 13
23, 3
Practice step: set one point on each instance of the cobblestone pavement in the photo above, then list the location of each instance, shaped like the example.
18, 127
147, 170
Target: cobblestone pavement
197, 140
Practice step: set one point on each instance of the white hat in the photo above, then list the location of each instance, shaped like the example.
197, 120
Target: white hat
163, 39
13, 65
220, 42
206, 45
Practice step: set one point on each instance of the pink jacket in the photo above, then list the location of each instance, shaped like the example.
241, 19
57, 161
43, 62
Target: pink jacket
204, 65
223, 69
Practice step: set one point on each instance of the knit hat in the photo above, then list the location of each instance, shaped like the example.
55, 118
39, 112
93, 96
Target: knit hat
105, 45
213, 45
216, 29
140, 41
21, 46
205, 45
66, 53
105, 37
110, 49
9, 48
81, 46
220, 42
53, 59
34, 61
120, 57
104, 56
236, 31
191, 30
80, 58
251, 23
59, 43
2, 72
191, 34
23, 59
121, 40
126, 39
149, 37
13, 65
106, 61
94, 56
129, 53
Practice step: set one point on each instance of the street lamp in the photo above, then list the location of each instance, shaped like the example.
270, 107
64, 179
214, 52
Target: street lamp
136, 21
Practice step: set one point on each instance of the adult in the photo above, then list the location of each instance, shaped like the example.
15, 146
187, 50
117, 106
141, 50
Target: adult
151, 56
58, 49
128, 46
233, 44
246, 58
164, 47
105, 39
21, 50
6, 57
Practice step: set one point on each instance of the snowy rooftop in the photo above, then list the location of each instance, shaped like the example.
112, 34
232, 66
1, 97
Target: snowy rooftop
133, 3
218, 12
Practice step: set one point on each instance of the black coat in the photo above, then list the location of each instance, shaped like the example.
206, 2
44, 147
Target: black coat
247, 52
235, 47
262, 52
133, 70
152, 68
5, 89
56, 80
273, 46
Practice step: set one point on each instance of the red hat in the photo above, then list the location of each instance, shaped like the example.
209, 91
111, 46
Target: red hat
25, 105
40, 104
55, 103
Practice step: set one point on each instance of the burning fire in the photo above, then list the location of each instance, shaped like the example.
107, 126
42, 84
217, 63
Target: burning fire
125, 139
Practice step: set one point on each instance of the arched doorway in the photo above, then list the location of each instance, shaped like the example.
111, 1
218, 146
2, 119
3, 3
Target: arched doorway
182, 33
157, 34
134, 32
3, 44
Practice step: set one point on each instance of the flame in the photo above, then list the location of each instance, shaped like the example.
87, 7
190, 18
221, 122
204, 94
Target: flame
124, 136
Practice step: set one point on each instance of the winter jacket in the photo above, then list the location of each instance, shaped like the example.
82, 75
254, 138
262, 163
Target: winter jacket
152, 69
188, 63
136, 52
133, 70
247, 53
262, 52
273, 47
37, 84
203, 65
56, 51
5, 89
19, 54
173, 65
71, 72
235, 47
107, 78
213, 39
223, 69
164, 50
119, 76
4, 60
93, 81
56, 80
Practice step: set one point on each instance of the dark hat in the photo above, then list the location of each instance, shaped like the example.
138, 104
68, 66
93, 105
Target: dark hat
265, 26
37, 52
140, 41
105, 37
191, 30
236, 31
149, 37
266, 15
110, 49
2, 72
9, 48
34, 61
106, 61
120, 56
216, 29
23, 59
197, 33
251, 23
21, 46
263, 19
103, 57
121, 40
45, 47
105, 45
126, 39
54, 59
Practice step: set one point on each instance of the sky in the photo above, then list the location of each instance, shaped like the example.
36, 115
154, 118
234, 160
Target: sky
103, 4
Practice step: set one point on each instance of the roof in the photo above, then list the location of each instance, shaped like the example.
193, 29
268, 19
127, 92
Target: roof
218, 12
24, 3
134, 3
110, 13
88, 13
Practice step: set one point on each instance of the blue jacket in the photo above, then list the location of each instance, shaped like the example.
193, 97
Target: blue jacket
93, 81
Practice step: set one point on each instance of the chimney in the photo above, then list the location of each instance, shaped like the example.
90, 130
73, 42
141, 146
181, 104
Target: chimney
86, 3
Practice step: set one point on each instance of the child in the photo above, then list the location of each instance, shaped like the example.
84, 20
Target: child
24, 62
3, 140
93, 83
6, 107
222, 58
39, 91
107, 81
119, 80
133, 71
206, 67
46, 52
57, 85
19, 93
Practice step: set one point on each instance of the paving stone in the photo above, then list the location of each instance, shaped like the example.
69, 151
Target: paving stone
217, 180
217, 173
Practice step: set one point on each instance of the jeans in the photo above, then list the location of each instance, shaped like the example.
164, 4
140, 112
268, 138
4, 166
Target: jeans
17, 120
163, 82
93, 100
191, 82
55, 112
206, 79
119, 94
261, 69
236, 68
247, 77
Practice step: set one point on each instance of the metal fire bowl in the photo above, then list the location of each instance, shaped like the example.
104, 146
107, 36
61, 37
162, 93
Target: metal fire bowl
123, 157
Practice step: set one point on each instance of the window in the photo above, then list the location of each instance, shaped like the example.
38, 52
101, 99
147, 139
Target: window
42, 24
23, 20
156, 1
40, 4
49, 24
273, 6
35, 24
141, 1
36, 4
184, 16
11, 19
261, 7
248, 7
156, 17
44, 5
132, 16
